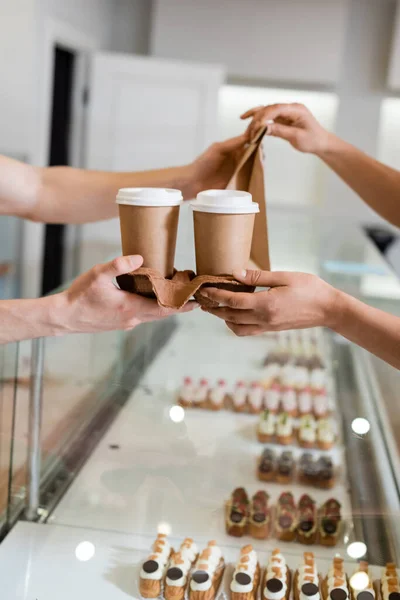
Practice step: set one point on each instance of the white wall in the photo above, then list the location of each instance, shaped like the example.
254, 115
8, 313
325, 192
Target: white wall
361, 90
389, 133
276, 40
131, 26
394, 66
17, 42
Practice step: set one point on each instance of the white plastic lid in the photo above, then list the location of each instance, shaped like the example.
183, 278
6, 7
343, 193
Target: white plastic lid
149, 197
230, 202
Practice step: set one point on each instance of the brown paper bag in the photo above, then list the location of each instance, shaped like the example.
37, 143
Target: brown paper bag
175, 292
249, 177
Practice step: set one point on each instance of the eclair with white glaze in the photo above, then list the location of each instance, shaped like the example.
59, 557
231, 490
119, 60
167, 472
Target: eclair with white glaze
246, 577
306, 585
277, 578
366, 590
153, 569
388, 586
179, 567
335, 585
207, 574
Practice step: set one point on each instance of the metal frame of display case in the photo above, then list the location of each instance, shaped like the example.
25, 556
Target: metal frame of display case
47, 486
372, 476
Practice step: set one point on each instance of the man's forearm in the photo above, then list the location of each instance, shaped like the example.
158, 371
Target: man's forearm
371, 328
28, 319
377, 184
19, 187
70, 195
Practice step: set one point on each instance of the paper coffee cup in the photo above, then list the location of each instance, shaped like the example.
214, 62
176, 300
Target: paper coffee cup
223, 230
149, 224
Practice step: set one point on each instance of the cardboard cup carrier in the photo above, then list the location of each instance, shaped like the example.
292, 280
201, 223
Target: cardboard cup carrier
223, 240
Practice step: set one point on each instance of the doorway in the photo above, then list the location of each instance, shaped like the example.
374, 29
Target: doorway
60, 138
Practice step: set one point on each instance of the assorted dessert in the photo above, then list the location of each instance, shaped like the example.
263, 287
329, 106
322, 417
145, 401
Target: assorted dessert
256, 397
318, 472
295, 401
285, 430
189, 574
303, 348
288, 521
243, 399
246, 576
277, 578
280, 469
248, 517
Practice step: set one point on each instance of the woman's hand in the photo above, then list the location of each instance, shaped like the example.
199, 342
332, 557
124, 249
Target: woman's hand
93, 303
291, 122
214, 168
294, 301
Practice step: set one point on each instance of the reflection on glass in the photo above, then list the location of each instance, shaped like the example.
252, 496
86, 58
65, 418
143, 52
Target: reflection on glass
85, 551
164, 528
360, 426
177, 414
356, 550
359, 581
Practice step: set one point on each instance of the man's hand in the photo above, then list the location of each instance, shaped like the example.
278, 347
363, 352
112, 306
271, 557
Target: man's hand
294, 301
291, 122
214, 168
93, 303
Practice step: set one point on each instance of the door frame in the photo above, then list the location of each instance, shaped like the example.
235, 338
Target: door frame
55, 32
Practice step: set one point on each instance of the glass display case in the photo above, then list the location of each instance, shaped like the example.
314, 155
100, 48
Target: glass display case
282, 442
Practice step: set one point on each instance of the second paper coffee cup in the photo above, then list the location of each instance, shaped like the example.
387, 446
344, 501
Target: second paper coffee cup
149, 224
223, 230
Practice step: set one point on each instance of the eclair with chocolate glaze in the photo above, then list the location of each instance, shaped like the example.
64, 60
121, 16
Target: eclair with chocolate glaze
260, 516
237, 512
286, 518
307, 520
330, 523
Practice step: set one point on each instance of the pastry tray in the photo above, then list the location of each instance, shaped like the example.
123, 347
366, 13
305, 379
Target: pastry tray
184, 472
293, 560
